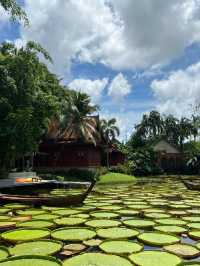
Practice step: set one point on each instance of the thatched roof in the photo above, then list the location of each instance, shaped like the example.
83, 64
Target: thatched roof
164, 146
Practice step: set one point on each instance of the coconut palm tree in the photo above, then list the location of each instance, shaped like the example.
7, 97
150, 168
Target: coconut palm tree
76, 119
109, 131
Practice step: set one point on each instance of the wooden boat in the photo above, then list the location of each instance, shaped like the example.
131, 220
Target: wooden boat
192, 185
28, 194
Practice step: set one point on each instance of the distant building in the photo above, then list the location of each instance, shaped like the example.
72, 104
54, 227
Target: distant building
169, 158
69, 152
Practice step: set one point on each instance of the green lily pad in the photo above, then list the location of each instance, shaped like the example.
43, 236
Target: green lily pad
66, 212
4, 210
183, 250
128, 212
194, 234
192, 219
31, 260
158, 239
92, 242
171, 229
18, 235
36, 224
21, 218
102, 223
69, 221
30, 212
5, 218
48, 217
74, 247
155, 258
120, 247
157, 215
5, 225
97, 259
139, 223
194, 225
40, 247
3, 253
110, 208
117, 233
16, 206
81, 215
104, 215
194, 263
73, 234
171, 221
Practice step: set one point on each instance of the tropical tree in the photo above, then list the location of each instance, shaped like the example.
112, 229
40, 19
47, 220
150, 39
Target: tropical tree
29, 97
109, 132
15, 10
77, 119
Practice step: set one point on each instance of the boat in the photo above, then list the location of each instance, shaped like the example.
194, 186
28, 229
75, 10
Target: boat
27, 193
191, 184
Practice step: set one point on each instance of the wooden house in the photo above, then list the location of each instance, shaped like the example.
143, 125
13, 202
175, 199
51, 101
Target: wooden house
169, 158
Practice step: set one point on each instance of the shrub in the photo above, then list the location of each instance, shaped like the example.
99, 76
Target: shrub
121, 168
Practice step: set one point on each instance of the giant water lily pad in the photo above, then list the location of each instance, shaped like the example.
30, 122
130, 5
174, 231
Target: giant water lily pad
30, 260
192, 219
158, 239
120, 247
104, 214
172, 229
117, 233
194, 234
183, 250
73, 234
18, 235
40, 247
128, 212
30, 212
65, 212
194, 225
171, 221
36, 224
97, 259
48, 217
16, 206
69, 221
139, 223
3, 253
102, 223
7, 225
4, 210
155, 215
155, 258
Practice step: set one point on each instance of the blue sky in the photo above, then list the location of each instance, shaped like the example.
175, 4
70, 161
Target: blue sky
130, 56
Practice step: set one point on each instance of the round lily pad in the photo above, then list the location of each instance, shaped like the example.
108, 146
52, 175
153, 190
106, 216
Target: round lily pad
155, 258
117, 233
74, 247
81, 215
5, 218
16, 206
158, 239
194, 225
157, 215
21, 218
3, 253
48, 217
73, 234
65, 212
194, 234
110, 208
30, 212
120, 247
104, 214
69, 221
40, 247
192, 219
183, 250
171, 221
18, 235
36, 224
128, 212
97, 259
92, 242
4, 210
139, 223
103, 223
172, 229
194, 263
31, 260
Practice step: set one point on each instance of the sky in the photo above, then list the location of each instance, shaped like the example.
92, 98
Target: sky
130, 56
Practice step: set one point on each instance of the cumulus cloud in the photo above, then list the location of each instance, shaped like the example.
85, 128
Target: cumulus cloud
179, 92
125, 34
119, 87
94, 88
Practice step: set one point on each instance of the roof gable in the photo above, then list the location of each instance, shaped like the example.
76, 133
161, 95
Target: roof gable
164, 146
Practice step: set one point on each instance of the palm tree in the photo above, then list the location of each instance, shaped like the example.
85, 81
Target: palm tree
109, 131
76, 119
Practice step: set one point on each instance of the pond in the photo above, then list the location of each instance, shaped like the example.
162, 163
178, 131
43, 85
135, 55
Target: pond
142, 223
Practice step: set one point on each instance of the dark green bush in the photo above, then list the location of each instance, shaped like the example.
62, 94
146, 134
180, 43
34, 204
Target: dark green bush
121, 168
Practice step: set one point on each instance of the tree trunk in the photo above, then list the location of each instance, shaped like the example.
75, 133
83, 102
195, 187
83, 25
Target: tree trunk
107, 157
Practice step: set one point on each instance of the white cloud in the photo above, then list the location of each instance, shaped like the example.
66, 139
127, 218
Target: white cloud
4, 17
119, 87
127, 34
179, 92
94, 88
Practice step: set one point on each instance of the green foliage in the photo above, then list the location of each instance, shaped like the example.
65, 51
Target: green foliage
143, 163
15, 11
30, 96
121, 168
114, 178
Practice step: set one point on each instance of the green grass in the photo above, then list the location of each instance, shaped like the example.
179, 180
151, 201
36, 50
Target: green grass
110, 178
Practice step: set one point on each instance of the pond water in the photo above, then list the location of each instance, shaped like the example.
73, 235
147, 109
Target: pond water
117, 219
